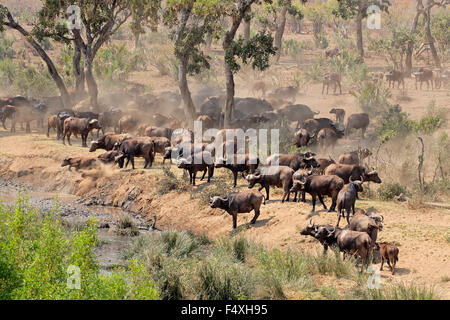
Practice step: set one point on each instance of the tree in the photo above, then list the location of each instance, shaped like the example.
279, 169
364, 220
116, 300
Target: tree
7, 20
258, 49
357, 9
425, 11
144, 13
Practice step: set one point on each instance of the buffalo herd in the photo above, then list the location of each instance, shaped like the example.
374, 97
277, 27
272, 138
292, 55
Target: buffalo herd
294, 173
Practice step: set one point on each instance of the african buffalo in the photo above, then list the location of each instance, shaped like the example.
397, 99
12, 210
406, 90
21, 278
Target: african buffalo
136, 147
109, 141
311, 229
357, 121
388, 252
293, 161
79, 162
200, 161
347, 197
244, 163
354, 157
331, 78
239, 202
345, 171
279, 176
339, 113
318, 186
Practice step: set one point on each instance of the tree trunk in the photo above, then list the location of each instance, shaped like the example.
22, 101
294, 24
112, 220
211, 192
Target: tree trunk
410, 48
78, 72
189, 108
437, 60
279, 33
359, 34
137, 36
208, 41
90, 80
41, 52
246, 31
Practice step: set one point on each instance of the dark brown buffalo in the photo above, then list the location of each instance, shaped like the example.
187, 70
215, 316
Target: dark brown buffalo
357, 121
161, 144
158, 132
293, 161
348, 242
186, 149
388, 252
339, 113
128, 123
302, 137
328, 137
347, 197
286, 93
301, 174
364, 223
315, 125
296, 112
79, 162
278, 176
108, 156
23, 114
424, 75
324, 163
110, 119
319, 186
239, 202
244, 163
345, 171
136, 147
395, 76
311, 229
109, 142
331, 78
354, 157
79, 126
200, 161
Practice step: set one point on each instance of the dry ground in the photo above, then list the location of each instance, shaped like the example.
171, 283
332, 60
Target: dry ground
421, 234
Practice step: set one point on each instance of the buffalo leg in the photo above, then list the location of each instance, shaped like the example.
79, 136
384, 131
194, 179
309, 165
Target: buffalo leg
295, 197
234, 214
194, 175
204, 174
68, 139
382, 262
313, 203
348, 216
323, 203
190, 177
132, 161
339, 217
255, 217
210, 173
303, 196
235, 174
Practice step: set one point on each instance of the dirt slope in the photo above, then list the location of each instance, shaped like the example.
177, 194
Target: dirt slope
35, 160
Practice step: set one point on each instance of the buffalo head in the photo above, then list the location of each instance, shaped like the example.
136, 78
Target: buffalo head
372, 176
252, 179
219, 202
310, 229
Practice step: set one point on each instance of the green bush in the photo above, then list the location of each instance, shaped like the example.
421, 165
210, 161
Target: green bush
6, 48
388, 191
399, 291
320, 40
8, 72
169, 182
34, 83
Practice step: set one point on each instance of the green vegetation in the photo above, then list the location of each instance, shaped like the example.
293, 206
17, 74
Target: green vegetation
388, 191
37, 255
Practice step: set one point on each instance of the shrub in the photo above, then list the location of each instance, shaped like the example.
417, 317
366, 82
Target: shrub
34, 83
373, 98
127, 226
169, 182
8, 71
320, 40
399, 291
6, 48
388, 191
220, 279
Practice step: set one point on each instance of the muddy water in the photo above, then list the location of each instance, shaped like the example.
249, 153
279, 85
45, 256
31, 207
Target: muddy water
111, 245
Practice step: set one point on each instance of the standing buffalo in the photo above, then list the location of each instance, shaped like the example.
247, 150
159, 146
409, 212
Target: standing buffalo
332, 78
328, 137
109, 142
324, 163
200, 161
136, 147
345, 171
278, 176
311, 229
318, 186
424, 75
347, 197
244, 163
388, 252
357, 121
339, 113
364, 223
293, 161
296, 112
239, 202
395, 76
79, 126
354, 157
302, 137
349, 242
